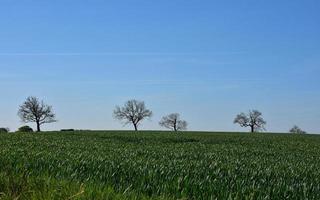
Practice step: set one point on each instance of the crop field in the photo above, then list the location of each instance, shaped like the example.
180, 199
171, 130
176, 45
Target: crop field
159, 165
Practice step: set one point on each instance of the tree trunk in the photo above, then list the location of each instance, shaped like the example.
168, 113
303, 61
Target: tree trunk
135, 127
252, 129
38, 127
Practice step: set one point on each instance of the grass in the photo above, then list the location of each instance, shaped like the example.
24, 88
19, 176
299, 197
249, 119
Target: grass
159, 165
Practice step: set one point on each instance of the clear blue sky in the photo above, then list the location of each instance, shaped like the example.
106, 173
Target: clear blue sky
207, 60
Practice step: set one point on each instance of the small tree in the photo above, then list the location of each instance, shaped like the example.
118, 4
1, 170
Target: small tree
253, 120
25, 129
4, 130
133, 112
296, 130
33, 110
173, 122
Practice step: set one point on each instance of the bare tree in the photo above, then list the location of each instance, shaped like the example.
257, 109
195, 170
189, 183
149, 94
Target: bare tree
296, 130
173, 122
133, 112
33, 110
253, 120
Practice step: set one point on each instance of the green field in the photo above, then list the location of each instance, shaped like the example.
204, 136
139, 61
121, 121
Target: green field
159, 165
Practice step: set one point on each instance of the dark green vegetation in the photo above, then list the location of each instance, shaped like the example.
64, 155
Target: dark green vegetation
4, 130
159, 165
25, 129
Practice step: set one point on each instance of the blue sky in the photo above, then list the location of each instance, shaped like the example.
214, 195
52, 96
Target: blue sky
207, 60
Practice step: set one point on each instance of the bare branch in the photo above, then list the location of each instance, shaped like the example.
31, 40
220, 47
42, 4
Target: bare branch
253, 120
33, 110
132, 112
296, 130
173, 122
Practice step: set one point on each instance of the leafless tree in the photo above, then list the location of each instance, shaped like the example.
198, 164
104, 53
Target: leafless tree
253, 120
34, 110
133, 112
296, 130
173, 122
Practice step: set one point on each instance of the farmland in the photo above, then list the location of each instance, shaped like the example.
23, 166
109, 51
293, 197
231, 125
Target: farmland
159, 165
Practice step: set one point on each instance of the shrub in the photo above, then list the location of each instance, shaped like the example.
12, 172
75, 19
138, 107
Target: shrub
4, 130
25, 129
67, 130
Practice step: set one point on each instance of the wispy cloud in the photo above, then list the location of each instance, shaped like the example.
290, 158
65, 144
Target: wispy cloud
120, 53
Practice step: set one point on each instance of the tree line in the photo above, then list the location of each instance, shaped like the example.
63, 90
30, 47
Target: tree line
132, 112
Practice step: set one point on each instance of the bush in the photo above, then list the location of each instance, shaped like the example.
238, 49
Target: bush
67, 130
4, 130
25, 129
